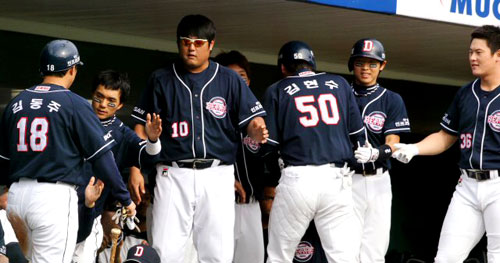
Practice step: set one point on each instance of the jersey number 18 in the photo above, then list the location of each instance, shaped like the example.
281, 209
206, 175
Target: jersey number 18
38, 134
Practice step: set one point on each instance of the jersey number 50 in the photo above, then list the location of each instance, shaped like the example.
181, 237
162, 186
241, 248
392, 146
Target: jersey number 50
328, 109
38, 134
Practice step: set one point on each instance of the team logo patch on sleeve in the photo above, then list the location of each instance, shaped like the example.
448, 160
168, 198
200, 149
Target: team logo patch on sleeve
251, 145
494, 121
304, 251
375, 121
217, 107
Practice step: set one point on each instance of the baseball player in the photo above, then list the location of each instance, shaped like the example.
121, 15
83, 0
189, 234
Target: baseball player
310, 118
473, 119
110, 90
249, 170
384, 116
203, 107
47, 134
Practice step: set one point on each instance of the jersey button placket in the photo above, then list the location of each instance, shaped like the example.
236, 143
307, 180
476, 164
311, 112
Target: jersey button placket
197, 108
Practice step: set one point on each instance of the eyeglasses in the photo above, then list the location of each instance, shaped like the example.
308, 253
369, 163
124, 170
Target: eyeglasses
198, 42
362, 64
99, 100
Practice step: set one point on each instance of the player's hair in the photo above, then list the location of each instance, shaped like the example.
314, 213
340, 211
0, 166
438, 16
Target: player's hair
113, 80
489, 33
293, 67
196, 25
233, 57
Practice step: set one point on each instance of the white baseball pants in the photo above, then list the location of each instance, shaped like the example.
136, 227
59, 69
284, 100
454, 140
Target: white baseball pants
248, 235
86, 251
372, 203
51, 216
474, 209
322, 193
198, 201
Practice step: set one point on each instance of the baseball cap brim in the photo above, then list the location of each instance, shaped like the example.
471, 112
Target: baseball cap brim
132, 261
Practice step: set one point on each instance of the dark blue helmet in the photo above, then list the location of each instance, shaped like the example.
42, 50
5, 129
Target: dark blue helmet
59, 55
296, 50
366, 47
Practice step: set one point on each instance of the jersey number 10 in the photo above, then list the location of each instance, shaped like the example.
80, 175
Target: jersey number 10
38, 134
328, 109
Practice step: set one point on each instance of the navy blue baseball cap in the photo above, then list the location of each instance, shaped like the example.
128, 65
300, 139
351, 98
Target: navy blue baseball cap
142, 254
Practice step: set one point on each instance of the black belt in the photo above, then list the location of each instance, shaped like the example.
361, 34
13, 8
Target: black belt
338, 165
44, 180
481, 175
197, 164
369, 172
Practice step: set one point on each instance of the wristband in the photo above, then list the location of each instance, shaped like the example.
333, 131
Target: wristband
385, 152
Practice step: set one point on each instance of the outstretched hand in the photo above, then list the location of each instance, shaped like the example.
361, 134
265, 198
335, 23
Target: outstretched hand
93, 191
153, 126
405, 152
257, 130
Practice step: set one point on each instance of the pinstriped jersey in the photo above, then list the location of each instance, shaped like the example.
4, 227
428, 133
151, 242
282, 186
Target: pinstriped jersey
47, 133
249, 168
383, 112
202, 113
310, 118
474, 117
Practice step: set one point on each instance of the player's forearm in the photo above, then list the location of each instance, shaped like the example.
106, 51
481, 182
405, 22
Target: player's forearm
141, 131
436, 143
106, 169
392, 139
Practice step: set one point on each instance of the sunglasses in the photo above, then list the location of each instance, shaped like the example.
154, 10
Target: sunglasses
99, 100
362, 64
198, 42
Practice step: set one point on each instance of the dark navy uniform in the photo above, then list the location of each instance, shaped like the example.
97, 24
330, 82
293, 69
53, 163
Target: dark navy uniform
197, 109
311, 115
249, 171
47, 134
202, 116
384, 113
310, 118
129, 150
474, 118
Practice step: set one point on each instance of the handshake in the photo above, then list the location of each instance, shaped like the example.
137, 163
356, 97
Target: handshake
404, 153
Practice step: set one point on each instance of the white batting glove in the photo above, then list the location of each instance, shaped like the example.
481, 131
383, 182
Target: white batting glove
132, 222
366, 154
120, 216
405, 152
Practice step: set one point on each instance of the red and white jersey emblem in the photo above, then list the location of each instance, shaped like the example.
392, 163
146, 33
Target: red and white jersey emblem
494, 120
375, 121
304, 251
251, 145
217, 107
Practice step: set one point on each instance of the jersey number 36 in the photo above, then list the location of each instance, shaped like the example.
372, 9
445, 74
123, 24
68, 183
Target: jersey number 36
328, 109
38, 134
